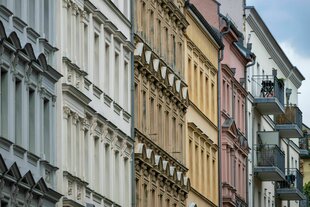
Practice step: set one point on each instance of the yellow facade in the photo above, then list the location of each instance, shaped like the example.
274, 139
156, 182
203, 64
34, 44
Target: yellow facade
201, 62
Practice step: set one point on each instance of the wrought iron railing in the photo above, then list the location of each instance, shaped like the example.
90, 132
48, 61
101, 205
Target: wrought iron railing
268, 155
292, 115
265, 86
293, 179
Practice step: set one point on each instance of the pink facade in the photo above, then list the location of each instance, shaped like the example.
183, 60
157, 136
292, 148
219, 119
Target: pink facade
209, 9
233, 99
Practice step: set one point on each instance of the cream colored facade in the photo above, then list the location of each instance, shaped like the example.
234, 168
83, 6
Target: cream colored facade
161, 100
201, 61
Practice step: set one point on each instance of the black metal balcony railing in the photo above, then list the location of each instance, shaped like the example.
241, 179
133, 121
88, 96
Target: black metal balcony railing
304, 143
270, 156
265, 86
292, 115
293, 179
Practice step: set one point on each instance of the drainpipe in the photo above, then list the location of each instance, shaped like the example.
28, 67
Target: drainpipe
246, 127
132, 91
220, 58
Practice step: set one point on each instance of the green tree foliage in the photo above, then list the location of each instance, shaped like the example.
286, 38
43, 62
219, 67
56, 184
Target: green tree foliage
307, 190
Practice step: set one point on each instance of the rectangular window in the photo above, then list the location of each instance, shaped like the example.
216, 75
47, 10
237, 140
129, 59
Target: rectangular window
96, 60
96, 163
46, 18
47, 143
86, 154
31, 119
174, 137
4, 104
107, 169
174, 51
167, 44
18, 112
126, 9
213, 102
107, 68
201, 88
126, 86
18, 8
144, 111
31, 13
152, 116
207, 96
77, 150
151, 30
117, 176
69, 142
86, 47
143, 17
159, 37
136, 99
189, 71
167, 129
159, 126
127, 178
195, 87
116, 78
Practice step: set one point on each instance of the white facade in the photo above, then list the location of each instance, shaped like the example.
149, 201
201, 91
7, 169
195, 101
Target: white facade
94, 120
269, 57
28, 95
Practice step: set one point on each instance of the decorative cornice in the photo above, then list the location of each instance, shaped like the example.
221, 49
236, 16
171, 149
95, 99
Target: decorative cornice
157, 71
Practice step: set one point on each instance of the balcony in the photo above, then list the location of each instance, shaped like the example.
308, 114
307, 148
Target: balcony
304, 203
269, 162
292, 187
304, 146
268, 92
289, 124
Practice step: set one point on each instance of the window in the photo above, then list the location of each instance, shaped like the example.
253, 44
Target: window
144, 111
47, 118
31, 13
46, 18
201, 88
167, 128
86, 159
107, 169
117, 176
18, 8
127, 178
159, 36
152, 116
136, 99
126, 8
86, 46
126, 86
4, 104
159, 124
174, 51
116, 78
174, 137
31, 119
189, 71
107, 68
96, 163
96, 60
167, 44
69, 142
151, 30
143, 17
195, 87
207, 95
77, 150
18, 112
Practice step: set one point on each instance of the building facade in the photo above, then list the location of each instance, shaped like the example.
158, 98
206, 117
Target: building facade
161, 100
274, 120
28, 95
94, 107
201, 73
234, 139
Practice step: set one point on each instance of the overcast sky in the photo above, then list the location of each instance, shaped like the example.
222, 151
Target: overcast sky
289, 22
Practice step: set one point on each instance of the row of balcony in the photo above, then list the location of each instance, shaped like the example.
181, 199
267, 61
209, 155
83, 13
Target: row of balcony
270, 166
268, 92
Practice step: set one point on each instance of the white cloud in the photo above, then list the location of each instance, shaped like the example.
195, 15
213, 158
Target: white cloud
302, 62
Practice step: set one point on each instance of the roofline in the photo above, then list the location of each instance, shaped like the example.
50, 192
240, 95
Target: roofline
206, 25
273, 41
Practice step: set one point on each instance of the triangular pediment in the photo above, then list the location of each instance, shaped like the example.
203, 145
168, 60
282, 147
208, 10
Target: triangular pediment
230, 125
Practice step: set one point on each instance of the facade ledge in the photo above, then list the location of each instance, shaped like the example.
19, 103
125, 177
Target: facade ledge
75, 93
